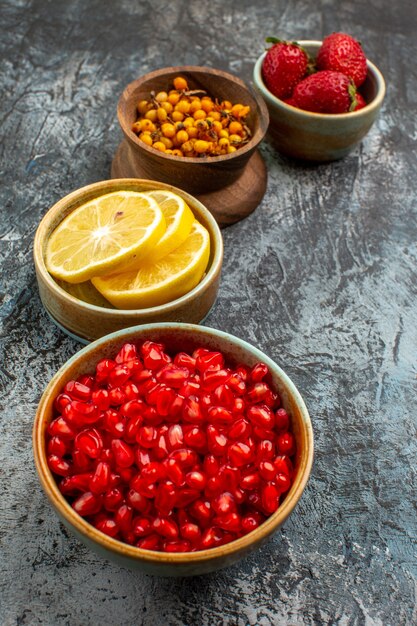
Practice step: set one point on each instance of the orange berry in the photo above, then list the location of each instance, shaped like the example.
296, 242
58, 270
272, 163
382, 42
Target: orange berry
158, 145
174, 97
192, 131
235, 128
161, 96
177, 152
146, 138
207, 105
201, 146
161, 114
189, 121
195, 105
177, 116
146, 124
142, 106
168, 129
200, 114
167, 106
151, 115
182, 136
167, 142
180, 83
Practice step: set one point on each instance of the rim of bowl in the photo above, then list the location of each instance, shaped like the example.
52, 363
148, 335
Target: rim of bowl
57, 208
118, 547
262, 113
374, 104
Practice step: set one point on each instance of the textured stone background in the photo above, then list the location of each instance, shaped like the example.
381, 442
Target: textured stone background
322, 277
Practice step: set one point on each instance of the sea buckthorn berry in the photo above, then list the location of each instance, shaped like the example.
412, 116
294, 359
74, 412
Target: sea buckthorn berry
180, 83
161, 96
171, 452
158, 145
142, 106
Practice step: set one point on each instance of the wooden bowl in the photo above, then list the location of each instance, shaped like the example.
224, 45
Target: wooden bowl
242, 174
320, 136
87, 321
176, 337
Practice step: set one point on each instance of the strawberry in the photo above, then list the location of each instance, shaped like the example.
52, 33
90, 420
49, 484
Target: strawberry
360, 101
342, 53
284, 65
325, 92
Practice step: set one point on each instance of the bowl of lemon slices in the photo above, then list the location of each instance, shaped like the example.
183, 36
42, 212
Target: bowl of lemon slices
124, 252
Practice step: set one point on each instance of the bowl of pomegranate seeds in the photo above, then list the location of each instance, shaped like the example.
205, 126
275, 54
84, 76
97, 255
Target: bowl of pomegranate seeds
172, 448
322, 97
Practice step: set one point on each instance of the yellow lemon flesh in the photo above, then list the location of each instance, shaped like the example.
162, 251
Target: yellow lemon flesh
168, 279
178, 218
104, 235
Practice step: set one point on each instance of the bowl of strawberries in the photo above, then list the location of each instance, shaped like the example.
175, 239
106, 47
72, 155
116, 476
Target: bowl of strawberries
322, 96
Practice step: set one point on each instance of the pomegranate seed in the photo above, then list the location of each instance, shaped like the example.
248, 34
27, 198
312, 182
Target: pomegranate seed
142, 526
108, 527
212, 378
77, 391
61, 428
75, 483
240, 429
229, 521
211, 538
100, 481
282, 482
240, 454
211, 465
123, 518
57, 446
209, 360
286, 443
196, 480
191, 411
216, 441
58, 466
61, 402
113, 499
87, 504
251, 521
126, 353
200, 453
201, 510
195, 438
224, 503
258, 372
176, 546
282, 419
173, 376
265, 450
182, 359
250, 481
165, 527
257, 393
220, 416
270, 498
82, 462
137, 501
191, 532
283, 465
174, 472
123, 453
103, 369
261, 415
116, 396
90, 442
152, 542
146, 436
267, 470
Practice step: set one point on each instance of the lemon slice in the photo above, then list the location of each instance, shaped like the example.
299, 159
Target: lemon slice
104, 235
178, 217
169, 278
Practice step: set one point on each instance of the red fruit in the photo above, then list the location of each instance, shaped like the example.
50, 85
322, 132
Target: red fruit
193, 455
326, 92
360, 102
342, 53
87, 504
284, 65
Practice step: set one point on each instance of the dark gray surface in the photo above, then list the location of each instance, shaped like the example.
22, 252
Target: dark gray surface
321, 277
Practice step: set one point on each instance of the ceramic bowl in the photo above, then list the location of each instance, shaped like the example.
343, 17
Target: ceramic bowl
195, 175
175, 337
319, 136
87, 321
